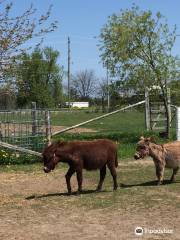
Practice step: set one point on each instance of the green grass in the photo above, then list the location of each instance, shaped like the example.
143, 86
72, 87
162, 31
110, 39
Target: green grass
128, 121
35, 167
125, 128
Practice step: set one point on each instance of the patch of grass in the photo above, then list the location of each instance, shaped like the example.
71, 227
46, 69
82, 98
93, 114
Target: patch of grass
21, 168
124, 121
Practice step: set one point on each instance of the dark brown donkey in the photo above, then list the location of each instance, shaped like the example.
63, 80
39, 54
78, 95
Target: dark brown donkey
164, 156
90, 155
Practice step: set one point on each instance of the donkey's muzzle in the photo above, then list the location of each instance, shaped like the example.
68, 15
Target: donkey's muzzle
137, 156
46, 170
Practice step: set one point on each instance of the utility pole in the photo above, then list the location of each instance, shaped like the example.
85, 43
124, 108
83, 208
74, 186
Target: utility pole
108, 97
69, 73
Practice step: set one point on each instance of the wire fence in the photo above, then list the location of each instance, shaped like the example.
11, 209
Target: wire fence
28, 128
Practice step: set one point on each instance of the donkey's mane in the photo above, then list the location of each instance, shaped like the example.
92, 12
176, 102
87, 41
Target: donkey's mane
158, 147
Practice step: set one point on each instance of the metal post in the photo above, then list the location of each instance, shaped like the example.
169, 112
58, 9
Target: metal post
34, 118
108, 97
48, 125
147, 109
178, 123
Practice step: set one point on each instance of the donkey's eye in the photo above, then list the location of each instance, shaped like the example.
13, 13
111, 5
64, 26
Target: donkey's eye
141, 148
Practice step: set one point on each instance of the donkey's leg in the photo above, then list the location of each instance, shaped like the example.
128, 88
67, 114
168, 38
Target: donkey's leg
79, 179
113, 173
68, 176
102, 177
159, 173
174, 174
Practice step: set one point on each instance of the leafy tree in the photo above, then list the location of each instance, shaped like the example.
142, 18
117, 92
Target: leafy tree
15, 31
83, 84
54, 74
175, 92
39, 78
137, 47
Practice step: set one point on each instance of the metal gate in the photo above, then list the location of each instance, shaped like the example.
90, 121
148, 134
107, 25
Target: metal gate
158, 117
28, 128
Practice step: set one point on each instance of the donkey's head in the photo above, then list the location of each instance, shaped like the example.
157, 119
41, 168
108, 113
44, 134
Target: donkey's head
52, 154
49, 158
142, 149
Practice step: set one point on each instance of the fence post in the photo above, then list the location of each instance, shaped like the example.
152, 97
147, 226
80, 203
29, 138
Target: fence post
34, 118
169, 105
147, 109
178, 123
48, 125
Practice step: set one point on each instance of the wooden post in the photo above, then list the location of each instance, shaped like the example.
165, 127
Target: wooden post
147, 109
34, 118
48, 125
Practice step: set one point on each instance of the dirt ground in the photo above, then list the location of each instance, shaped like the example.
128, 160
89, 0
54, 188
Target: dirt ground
15, 129
76, 130
34, 206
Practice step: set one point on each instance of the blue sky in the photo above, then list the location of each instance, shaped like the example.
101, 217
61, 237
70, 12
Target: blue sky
82, 20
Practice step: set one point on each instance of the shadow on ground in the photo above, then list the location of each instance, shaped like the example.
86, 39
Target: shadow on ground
63, 194
146, 184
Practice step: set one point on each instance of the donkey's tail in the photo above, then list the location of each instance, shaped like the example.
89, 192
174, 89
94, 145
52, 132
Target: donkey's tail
116, 160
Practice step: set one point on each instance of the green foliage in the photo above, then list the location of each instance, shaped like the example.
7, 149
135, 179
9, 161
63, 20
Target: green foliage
175, 92
137, 47
138, 44
8, 157
39, 78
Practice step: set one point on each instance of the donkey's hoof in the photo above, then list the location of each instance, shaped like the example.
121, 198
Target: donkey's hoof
172, 180
79, 192
98, 189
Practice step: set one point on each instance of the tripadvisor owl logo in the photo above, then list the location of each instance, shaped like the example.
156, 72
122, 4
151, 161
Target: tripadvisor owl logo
139, 231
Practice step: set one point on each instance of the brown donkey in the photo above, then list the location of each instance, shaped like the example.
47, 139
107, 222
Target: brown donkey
165, 155
90, 155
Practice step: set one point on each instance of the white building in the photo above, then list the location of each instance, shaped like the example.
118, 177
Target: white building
78, 104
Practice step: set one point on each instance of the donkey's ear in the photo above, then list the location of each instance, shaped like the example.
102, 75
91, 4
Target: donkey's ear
147, 140
152, 139
49, 143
